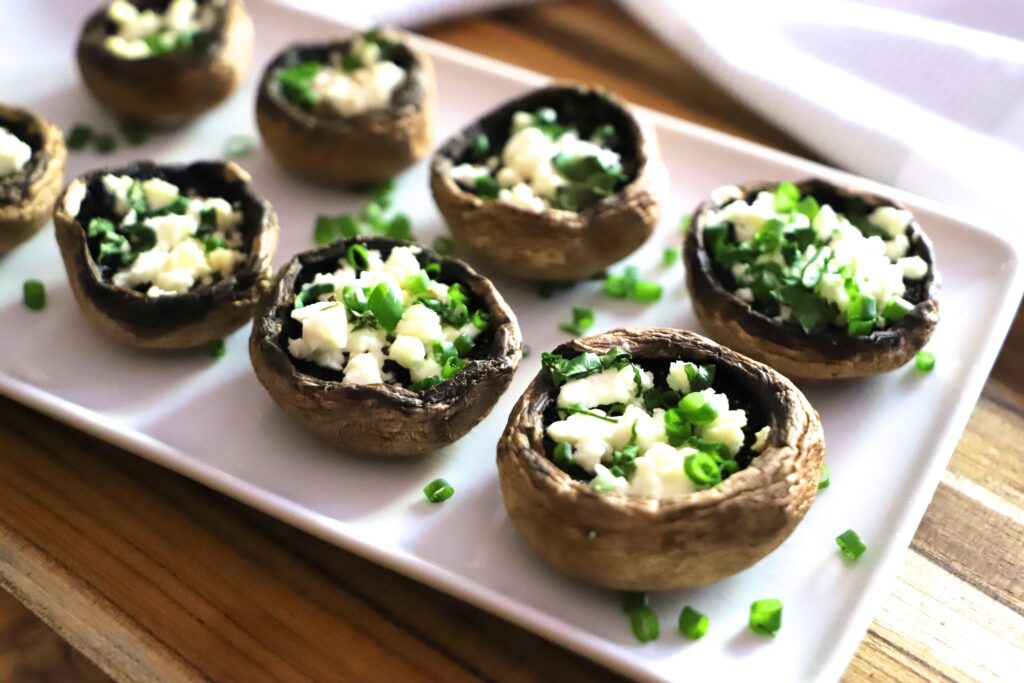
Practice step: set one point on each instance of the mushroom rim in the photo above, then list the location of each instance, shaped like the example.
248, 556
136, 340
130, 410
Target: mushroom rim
527, 420
701, 271
43, 138
269, 330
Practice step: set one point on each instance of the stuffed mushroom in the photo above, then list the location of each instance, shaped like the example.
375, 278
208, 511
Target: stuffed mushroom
32, 156
555, 185
165, 62
818, 281
166, 257
348, 112
382, 347
653, 459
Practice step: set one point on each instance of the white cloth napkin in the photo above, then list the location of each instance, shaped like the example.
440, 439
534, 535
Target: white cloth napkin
926, 95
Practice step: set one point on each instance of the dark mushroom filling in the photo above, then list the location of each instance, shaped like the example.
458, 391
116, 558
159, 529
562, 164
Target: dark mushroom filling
340, 80
556, 149
828, 261
133, 30
393, 313
165, 230
648, 428
17, 173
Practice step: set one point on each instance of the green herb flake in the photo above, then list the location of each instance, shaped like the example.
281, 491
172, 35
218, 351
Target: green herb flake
582, 320
924, 361
105, 143
438, 491
850, 544
669, 256
216, 348
79, 137
692, 623
643, 621
702, 469
825, 479
386, 307
766, 616
33, 295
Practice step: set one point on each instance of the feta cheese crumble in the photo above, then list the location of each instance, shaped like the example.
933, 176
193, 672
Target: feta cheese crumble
543, 165
162, 240
810, 264
14, 153
385, 320
639, 434
140, 34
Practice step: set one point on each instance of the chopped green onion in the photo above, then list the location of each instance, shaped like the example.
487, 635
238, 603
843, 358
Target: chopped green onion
766, 616
438, 491
34, 294
696, 409
563, 455
443, 245
216, 348
701, 377
582, 320
464, 344
670, 256
702, 469
80, 136
647, 291
312, 293
480, 319
386, 307
481, 147
239, 146
354, 299
787, 195
400, 227
896, 309
633, 600
418, 282
692, 623
105, 143
601, 485
384, 193
426, 383
825, 480
850, 544
629, 285
358, 256
433, 269
684, 223
134, 133
486, 187
452, 366
325, 231
859, 328
644, 623
924, 361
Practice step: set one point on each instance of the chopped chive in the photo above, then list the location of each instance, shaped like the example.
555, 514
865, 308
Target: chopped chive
80, 136
632, 600
134, 133
384, 193
438, 491
766, 616
692, 623
562, 455
480, 319
646, 291
358, 256
463, 344
418, 282
896, 309
34, 295
239, 146
702, 469
386, 307
481, 146
670, 256
582, 320
850, 544
325, 231
644, 623
426, 383
860, 328
400, 227
443, 245
924, 361
452, 366
216, 348
600, 485
826, 478
105, 143
696, 409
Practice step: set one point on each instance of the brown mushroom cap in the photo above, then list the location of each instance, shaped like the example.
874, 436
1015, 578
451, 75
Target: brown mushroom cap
27, 197
555, 245
632, 543
369, 147
172, 89
178, 321
383, 419
831, 354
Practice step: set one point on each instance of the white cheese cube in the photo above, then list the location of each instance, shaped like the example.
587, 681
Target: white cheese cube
897, 247
677, 378
363, 368
604, 388
913, 267
407, 351
159, 193
420, 322
14, 153
890, 219
761, 439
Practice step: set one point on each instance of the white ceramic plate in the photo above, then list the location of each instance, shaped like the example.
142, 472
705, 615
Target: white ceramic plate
889, 438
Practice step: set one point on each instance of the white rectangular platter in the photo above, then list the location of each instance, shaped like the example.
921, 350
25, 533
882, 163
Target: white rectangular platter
888, 438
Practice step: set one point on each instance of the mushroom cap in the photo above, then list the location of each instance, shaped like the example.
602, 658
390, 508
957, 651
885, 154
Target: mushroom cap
27, 197
382, 419
639, 544
369, 147
831, 354
172, 89
556, 245
180, 321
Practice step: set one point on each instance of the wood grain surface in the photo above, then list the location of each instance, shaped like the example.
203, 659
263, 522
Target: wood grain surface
153, 577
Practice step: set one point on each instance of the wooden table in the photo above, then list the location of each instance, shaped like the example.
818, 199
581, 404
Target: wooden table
153, 577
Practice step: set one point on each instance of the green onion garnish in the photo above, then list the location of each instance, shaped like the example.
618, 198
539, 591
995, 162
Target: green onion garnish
669, 256
384, 193
582, 320
105, 143
216, 348
684, 223
787, 195
481, 146
692, 623
438, 491
924, 361
644, 623
702, 469
426, 383
480, 319
358, 256
633, 600
400, 227
418, 283
463, 344
696, 409
563, 455
80, 136
443, 245
850, 544
385, 306
34, 294
766, 616
896, 309
239, 146
134, 133
826, 478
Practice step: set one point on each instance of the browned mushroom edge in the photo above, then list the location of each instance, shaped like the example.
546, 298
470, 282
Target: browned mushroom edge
27, 197
186, 320
171, 89
369, 147
831, 354
382, 419
632, 543
555, 245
